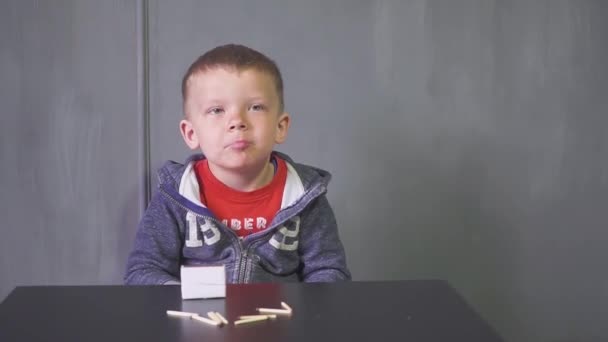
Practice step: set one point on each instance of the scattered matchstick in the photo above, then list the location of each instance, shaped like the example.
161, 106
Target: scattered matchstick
256, 316
251, 320
274, 311
224, 320
206, 320
286, 307
180, 313
214, 317
286, 310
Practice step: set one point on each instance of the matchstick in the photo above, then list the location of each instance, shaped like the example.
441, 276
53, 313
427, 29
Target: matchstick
224, 320
214, 317
274, 311
206, 320
287, 307
256, 316
180, 313
251, 320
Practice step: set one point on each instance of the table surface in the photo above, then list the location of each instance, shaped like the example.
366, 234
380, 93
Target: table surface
417, 310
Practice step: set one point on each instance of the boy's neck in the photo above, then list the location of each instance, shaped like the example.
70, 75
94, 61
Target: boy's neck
248, 181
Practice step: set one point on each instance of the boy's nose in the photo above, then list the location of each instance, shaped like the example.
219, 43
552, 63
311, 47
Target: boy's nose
237, 126
237, 122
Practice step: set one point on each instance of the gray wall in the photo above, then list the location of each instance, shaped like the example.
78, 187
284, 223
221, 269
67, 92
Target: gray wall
71, 174
466, 139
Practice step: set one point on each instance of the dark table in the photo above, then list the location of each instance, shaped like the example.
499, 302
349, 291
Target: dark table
419, 310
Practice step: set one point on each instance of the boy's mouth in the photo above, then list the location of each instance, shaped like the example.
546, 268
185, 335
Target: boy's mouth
239, 145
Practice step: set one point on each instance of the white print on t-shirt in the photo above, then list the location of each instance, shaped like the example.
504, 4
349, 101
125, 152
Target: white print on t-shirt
286, 238
210, 232
247, 223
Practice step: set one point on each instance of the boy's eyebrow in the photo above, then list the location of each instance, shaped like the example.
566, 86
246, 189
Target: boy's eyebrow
263, 97
206, 103
210, 102
258, 98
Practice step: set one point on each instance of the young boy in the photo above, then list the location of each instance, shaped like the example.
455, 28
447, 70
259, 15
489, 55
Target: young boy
239, 203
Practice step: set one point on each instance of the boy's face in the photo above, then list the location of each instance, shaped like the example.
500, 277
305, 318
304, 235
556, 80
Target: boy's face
234, 118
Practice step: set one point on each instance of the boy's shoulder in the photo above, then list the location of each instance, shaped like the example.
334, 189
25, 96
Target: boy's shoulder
309, 175
171, 172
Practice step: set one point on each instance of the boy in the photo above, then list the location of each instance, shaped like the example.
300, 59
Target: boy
239, 203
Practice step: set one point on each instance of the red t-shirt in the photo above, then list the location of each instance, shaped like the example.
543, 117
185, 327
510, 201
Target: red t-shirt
244, 212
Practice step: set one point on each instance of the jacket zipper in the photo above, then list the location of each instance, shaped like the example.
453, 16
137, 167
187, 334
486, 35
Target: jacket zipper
242, 266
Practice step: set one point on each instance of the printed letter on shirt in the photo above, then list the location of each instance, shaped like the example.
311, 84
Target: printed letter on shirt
210, 232
235, 224
248, 223
286, 238
192, 239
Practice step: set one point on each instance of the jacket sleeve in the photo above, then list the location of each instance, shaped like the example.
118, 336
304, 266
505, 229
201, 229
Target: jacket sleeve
155, 257
320, 248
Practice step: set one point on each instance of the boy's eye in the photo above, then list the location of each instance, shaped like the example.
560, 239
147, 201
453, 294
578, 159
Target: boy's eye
258, 107
215, 110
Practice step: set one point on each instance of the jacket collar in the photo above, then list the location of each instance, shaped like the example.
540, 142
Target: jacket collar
179, 182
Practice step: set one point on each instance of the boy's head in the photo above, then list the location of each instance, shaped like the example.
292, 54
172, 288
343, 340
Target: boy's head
237, 58
233, 106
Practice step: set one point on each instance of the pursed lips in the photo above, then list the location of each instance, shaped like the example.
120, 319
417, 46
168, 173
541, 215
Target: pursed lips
240, 144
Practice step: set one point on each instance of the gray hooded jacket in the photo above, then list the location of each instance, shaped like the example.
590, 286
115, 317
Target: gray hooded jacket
300, 244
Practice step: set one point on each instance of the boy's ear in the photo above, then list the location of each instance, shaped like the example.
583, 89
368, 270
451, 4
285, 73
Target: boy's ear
187, 130
282, 128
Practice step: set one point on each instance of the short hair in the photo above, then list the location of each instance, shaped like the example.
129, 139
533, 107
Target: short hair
235, 56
